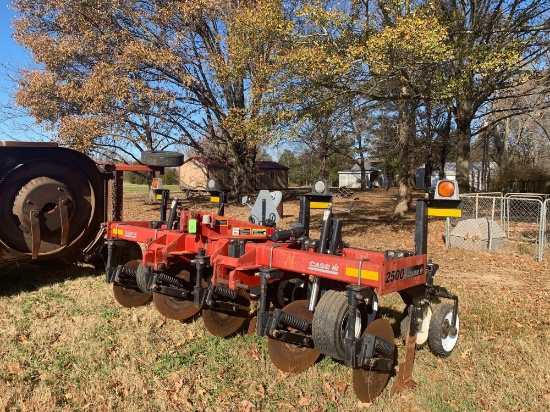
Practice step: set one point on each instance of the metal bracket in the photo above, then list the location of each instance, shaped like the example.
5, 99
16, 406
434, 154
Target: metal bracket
274, 321
369, 347
177, 293
442, 292
227, 306
355, 294
291, 337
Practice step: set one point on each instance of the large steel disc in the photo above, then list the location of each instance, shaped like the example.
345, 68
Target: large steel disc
176, 308
222, 323
369, 383
130, 297
286, 356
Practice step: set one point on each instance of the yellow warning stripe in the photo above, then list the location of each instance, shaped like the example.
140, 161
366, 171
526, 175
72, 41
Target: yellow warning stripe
319, 205
365, 274
444, 212
215, 199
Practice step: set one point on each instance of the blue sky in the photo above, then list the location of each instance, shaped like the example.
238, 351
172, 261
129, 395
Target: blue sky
12, 58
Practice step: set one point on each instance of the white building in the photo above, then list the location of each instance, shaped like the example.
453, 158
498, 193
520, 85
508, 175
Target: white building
352, 178
450, 173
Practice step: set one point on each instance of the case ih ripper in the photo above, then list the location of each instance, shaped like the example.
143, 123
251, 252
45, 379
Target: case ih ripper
313, 296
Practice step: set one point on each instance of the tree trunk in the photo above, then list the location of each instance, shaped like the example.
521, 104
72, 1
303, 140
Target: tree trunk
242, 172
445, 139
463, 119
405, 132
363, 171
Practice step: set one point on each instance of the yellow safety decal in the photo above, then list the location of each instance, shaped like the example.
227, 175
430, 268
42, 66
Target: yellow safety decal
116, 231
319, 205
432, 211
159, 197
215, 199
365, 274
259, 232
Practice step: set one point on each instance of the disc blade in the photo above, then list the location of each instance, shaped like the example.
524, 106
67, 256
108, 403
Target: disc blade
369, 383
173, 307
291, 358
222, 323
127, 296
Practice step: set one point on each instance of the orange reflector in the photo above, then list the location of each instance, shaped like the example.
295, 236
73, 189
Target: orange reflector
446, 189
156, 183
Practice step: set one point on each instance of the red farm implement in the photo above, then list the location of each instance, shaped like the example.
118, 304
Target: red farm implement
312, 296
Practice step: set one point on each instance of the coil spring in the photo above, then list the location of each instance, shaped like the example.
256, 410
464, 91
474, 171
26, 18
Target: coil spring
226, 292
294, 322
126, 272
382, 346
171, 280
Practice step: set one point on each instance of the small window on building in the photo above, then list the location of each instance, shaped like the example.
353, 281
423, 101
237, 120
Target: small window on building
272, 175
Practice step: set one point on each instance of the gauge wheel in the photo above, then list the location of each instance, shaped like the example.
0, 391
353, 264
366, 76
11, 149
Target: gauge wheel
441, 339
330, 322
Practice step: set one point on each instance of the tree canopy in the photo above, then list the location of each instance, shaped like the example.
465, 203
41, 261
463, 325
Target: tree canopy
412, 82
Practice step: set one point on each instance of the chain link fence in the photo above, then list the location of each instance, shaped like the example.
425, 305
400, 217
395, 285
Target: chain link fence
546, 230
492, 222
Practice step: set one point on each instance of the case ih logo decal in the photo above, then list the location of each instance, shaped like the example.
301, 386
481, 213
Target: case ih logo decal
130, 234
323, 267
408, 272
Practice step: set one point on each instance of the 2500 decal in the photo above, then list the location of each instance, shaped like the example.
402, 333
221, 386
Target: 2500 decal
405, 273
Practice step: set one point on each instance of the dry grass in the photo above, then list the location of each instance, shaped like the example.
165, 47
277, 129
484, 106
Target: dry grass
66, 345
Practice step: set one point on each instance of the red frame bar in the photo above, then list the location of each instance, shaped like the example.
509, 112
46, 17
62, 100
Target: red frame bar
165, 247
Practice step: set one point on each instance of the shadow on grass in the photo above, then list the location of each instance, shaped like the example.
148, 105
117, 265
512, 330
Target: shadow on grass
28, 277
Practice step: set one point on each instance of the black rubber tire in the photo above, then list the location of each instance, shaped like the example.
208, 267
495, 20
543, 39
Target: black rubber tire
438, 340
329, 323
161, 158
288, 291
141, 279
125, 253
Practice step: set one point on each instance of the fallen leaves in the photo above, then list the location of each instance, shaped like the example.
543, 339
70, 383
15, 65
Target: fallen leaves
14, 369
247, 406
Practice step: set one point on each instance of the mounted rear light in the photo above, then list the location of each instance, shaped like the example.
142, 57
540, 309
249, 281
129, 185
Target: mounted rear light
447, 189
321, 187
157, 183
213, 185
